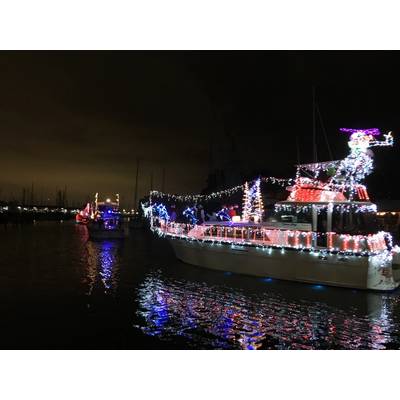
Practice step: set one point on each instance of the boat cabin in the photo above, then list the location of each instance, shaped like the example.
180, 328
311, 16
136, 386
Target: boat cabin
356, 218
107, 214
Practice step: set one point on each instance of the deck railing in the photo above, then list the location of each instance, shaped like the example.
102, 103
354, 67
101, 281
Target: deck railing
279, 237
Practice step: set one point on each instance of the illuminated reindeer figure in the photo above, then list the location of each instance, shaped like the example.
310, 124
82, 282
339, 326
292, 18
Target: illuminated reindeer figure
352, 170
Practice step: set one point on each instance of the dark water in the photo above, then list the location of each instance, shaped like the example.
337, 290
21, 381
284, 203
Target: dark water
59, 290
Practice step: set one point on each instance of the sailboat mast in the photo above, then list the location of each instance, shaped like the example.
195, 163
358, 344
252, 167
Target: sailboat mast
297, 150
151, 180
136, 184
163, 180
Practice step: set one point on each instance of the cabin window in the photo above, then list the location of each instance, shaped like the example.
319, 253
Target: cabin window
356, 223
289, 218
322, 226
292, 217
322, 221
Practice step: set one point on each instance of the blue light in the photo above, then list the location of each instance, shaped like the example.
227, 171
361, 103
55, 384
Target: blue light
227, 273
189, 213
267, 279
107, 260
223, 214
318, 287
161, 211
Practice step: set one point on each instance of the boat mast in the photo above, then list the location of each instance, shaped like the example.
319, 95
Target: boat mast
151, 180
136, 184
163, 180
315, 154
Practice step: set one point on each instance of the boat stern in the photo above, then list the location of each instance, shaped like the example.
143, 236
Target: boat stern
383, 272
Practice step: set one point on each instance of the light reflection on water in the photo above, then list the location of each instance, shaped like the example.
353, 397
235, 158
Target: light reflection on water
103, 261
76, 292
216, 316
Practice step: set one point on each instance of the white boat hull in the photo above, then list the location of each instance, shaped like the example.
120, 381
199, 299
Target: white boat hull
289, 264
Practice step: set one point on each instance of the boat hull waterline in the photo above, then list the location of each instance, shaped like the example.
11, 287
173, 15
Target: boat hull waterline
364, 272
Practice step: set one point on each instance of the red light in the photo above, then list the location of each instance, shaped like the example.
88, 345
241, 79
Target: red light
304, 191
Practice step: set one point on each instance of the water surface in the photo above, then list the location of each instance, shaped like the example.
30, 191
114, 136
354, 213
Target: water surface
60, 290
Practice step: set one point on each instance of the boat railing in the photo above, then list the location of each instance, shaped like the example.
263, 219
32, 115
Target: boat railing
252, 234
260, 235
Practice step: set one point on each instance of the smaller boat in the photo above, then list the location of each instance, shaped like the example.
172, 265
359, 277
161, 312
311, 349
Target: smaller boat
106, 220
83, 216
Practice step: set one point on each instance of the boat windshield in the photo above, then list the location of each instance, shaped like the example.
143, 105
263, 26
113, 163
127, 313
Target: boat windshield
105, 208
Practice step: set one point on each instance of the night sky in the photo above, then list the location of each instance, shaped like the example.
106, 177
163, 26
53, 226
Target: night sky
81, 119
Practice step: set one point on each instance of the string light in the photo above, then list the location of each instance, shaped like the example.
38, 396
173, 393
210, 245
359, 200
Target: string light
217, 195
161, 211
345, 176
196, 197
359, 163
253, 207
270, 238
370, 131
330, 186
190, 214
223, 215
342, 207
246, 203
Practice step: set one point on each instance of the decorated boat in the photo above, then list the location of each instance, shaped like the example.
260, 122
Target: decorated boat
83, 216
325, 232
106, 221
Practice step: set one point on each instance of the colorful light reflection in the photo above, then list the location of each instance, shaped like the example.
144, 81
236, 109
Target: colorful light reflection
102, 265
209, 316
